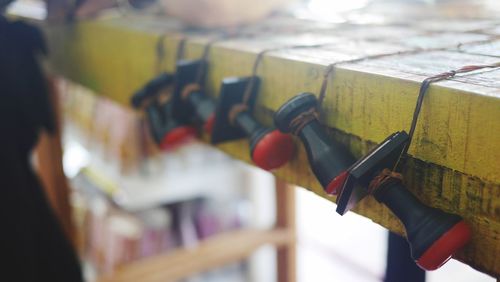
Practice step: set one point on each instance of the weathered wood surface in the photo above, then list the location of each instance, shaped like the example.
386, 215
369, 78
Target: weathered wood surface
456, 155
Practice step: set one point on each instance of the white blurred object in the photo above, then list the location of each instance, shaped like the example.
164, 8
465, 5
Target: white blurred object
221, 13
122, 239
334, 11
326, 7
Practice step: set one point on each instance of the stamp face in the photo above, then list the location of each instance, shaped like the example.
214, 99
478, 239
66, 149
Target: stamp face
385, 155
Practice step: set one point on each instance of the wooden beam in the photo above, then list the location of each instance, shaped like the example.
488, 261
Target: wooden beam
49, 156
455, 161
285, 218
209, 254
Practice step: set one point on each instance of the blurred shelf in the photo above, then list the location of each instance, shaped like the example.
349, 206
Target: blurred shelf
137, 193
211, 253
166, 179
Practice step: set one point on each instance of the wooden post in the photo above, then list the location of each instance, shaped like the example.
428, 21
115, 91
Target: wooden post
50, 169
285, 218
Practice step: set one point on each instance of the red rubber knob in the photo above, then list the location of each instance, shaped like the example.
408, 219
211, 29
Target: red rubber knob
442, 250
177, 136
209, 124
273, 150
335, 185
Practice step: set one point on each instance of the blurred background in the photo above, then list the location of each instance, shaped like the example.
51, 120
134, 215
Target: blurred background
131, 201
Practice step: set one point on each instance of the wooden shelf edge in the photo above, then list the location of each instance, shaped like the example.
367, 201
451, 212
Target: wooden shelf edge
209, 254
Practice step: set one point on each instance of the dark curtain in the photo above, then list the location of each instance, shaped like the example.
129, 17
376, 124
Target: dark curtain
32, 245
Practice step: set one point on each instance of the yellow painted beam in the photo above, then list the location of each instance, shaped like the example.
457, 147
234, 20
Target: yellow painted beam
456, 160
